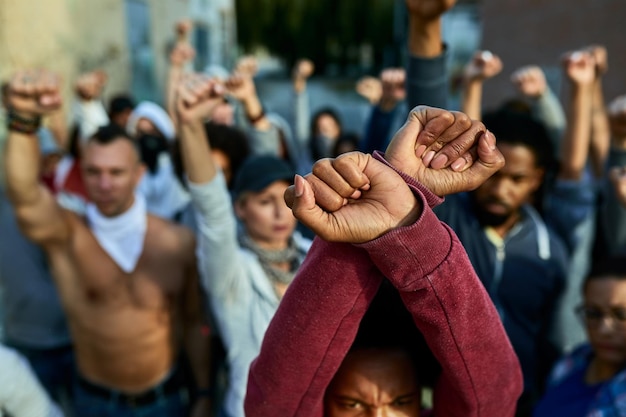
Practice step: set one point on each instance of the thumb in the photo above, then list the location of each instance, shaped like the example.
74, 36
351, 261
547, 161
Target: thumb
490, 160
301, 199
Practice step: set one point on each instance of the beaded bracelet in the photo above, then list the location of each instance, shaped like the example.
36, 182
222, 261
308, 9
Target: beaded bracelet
21, 124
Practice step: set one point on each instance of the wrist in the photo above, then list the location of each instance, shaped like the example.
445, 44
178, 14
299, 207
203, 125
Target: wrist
23, 122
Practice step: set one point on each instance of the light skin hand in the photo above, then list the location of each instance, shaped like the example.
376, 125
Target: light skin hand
90, 85
393, 87
34, 93
182, 53
530, 81
352, 199
370, 88
428, 9
301, 72
247, 65
579, 67
241, 87
484, 65
197, 96
456, 137
601, 58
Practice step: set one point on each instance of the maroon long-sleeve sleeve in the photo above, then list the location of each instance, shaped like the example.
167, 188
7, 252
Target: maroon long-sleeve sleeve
319, 316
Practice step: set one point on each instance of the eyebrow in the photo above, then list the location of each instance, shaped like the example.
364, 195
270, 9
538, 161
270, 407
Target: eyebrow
399, 397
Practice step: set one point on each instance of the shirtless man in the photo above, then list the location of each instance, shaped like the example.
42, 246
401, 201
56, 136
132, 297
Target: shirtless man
127, 280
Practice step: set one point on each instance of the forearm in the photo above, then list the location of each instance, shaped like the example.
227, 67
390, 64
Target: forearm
549, 111
425, 37
254, 112
22, 168
575, 147
58, 126
472, 99
312, 331
199, 165
173, 79
600, 130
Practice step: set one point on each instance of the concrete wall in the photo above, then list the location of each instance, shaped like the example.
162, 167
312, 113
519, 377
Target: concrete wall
524, 32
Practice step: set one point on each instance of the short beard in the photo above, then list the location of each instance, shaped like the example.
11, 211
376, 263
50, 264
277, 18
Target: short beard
486, 218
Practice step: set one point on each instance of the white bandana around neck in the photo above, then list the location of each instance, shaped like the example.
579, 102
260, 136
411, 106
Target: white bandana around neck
122, 237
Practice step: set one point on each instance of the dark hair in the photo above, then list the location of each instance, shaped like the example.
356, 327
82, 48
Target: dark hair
120, 103
316, 153
610, 266
351, 139
230, 140
110, 133
387, 324
514, 124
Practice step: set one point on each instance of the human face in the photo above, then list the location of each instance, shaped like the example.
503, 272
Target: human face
374, 382
268, 220
111, 173
498, 200
607, 335
328, 127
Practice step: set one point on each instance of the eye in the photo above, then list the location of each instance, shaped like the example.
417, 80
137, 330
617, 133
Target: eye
404, 401
619, 314
350, 404
592, 314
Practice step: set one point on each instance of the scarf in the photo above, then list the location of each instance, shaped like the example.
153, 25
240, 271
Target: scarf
121, 237
268, 258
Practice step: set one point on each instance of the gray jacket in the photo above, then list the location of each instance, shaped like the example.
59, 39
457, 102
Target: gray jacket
241, 296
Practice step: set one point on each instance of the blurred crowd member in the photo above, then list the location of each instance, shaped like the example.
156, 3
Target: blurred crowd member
530, 82
155, 134
120, 108
127, 338
612, 218
387, 110
244, 274
21, 394
268, 132
315, 358
591, 380
483, 66
571, 201
33, 320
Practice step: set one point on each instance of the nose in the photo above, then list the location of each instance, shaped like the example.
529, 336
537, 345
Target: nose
104, 182
606, 324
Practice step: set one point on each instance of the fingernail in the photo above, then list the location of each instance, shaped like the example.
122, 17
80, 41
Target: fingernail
420, 151
298, 185
439, 162
491, 140
428, 157
458, 164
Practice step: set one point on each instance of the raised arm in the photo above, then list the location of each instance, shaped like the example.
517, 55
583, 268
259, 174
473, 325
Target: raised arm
600, 130
426, 71
218, 248
318, 318
302, 71
182, 54
580, 70
613, 218
482, 66
31, 94
531, 83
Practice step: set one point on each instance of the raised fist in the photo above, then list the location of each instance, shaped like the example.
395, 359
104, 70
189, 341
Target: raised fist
601, 58
34, 93
393, 86
482, 66
530, 81
240, 86
197, 96
579, 67
370, 88
303, 69
428, 9
247, 65
182, 53
89, 85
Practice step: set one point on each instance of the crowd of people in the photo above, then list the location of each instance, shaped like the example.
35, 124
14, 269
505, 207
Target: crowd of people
209, 257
